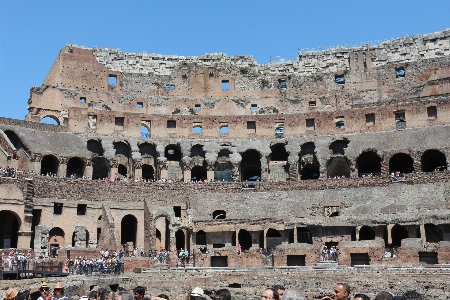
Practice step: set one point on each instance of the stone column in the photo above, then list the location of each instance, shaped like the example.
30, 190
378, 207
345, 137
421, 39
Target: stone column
210, 170
41, 235
162, 165
264, 169
423, 233
114, 170
80, 236
389, 232
138, 170
62, 169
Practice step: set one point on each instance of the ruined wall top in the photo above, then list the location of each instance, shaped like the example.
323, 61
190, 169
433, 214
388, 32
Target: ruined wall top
400, 50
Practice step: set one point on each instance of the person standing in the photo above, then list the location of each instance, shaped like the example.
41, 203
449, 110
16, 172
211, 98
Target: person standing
44, 289
341, 292
58, 292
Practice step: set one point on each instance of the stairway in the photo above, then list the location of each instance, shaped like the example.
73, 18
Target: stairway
28, 209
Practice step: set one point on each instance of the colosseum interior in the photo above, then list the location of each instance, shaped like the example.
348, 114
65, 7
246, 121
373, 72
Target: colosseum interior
346, 147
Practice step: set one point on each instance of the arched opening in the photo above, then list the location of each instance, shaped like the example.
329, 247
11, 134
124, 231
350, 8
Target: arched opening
219, 214
366, 233
368, 163
128, 230
173, 153
100, 167
122, 148
197, 150
147, 149
273, 238
56, 238
15, 140
200, 238
158, 239
251, 166
198, 173
95, 147
309, 167
86, 244
145, 133
398, 233
433, 234
148, 172
49, 165
433, 160
223, 170
304, 235
402, 163
122, 170
99, 228
338, 167
9, 226
50, 120
339, 147
245, 239
180, 240
75, 167
310, 171
278, 153
162, 230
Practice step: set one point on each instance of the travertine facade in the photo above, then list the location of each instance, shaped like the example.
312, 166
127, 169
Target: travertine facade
320, 135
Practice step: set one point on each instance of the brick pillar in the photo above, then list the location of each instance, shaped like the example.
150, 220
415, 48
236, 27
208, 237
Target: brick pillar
24, 239
422, 233
264, 169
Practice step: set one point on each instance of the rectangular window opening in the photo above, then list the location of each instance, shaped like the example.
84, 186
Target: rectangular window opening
225, 85
112, 80
82, 99
140, 105
310, 124
170, 87
254, 107
171, 124
251, 126
197, 128
339, 78
340, 122
312, 103
119, 121
432, 112
223, 128
57, 208
370, 119
81, 209
400, 72
92, 121
197, 107
279, 131
282, 84
177, 211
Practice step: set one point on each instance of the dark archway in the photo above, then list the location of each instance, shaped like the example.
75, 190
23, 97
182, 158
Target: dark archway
9, 226
219, 214
180, 239
353, 235
433, 234
368, 163
251, 166
75, 167
122, 170
309, 166
52, 120
197, 150
99, 228
100, 167
339, 147
245, 239
148, 172
128, 230
122, 148
278, 153
200, 238
310, 171
56, 237
95, 146
433, 160
398, 233
402, 163
49, 165
198, 173
147, 149
366, 233
173, 153
304, 235
273, 238
338, 167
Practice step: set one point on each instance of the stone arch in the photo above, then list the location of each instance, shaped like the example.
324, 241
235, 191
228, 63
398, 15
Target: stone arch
219, 214
309, 167
49, 165
122, 148
197, 150
75, 166
128, 229
401, 162
279, 152
198, 173
368, 163
366, 233
251, 165
100, 167
172, 152
180, 239
200, 238
50, 119
338, 166
398, 233
9, 226
273, 238
224, 168
148, 172
338, 147
433, 234
95, 146
244, 239
433, 160
147, 149
56, 237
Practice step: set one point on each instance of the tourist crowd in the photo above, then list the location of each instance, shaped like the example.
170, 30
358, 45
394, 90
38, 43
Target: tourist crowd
341, 292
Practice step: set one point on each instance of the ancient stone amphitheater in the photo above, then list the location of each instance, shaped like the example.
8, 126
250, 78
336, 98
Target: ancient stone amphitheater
346, 147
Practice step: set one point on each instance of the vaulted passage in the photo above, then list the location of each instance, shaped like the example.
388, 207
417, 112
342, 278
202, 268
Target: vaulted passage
278, 153
100, 167
122, 170
433, 160
180, 239
56, 238
273, 238
9, 225
433, 234
95, 147
75, 167
147, 149
398, 233
49, 165
245, 239
251, 166
402, 163
304, 235
173, 153
309, 166
198, 173
128, 230
122, 148
366, 233
368, 163
148, 172
338, 167
200, 238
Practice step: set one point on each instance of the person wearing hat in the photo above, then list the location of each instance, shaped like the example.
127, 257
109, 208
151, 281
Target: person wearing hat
58, 292
44, 289
196, 293
11, 294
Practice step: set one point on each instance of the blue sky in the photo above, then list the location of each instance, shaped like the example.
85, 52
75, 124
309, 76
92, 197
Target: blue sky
33, 32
